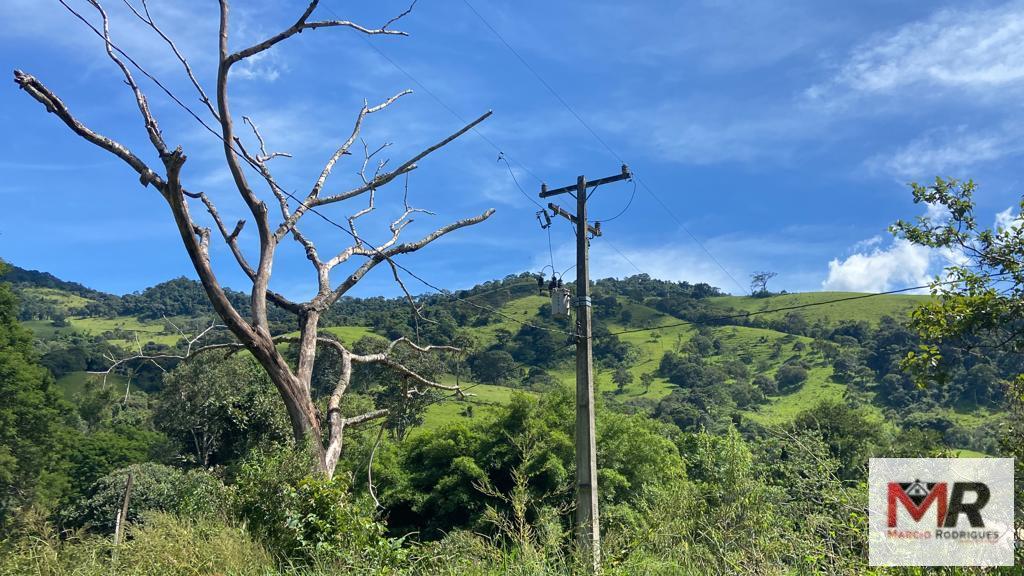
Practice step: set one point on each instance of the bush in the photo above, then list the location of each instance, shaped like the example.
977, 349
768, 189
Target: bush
155, 487
790, 376
493, 367
766, 384
303, 516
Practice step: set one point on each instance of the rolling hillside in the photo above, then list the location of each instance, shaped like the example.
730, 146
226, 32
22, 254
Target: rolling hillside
647, 332
866, 309
756, 343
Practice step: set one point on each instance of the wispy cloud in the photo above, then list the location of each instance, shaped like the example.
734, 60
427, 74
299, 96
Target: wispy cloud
975, 49
266, 66
718, 35
948, 152
195, 37
667, 262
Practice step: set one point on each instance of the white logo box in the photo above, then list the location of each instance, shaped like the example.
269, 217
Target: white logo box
973, 531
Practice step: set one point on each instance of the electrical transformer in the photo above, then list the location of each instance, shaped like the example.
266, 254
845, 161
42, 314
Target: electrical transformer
560, 302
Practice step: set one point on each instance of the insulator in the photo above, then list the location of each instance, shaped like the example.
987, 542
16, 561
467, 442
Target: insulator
544, 219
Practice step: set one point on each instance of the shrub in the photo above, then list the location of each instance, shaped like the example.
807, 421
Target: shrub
155, 487
766, 385
790, 376
303, 516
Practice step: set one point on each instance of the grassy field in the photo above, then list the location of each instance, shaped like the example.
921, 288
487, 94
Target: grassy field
782, 409
152, 331
348, 335
44, 329
756, 347
74, 384
959, 453
522, 309
60, 298
869, 309
481, 400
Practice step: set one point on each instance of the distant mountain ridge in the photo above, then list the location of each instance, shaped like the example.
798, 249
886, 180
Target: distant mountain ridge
19, 276
44, 295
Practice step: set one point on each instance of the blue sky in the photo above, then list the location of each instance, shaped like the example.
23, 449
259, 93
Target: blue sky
781, 136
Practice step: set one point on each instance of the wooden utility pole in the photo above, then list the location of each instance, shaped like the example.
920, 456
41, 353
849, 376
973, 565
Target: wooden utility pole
588, 530
122, 515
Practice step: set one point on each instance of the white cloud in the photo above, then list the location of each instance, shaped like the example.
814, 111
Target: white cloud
1007, 220
948, 152
936, 212
899, 265
266, 66
974, 49
869, 243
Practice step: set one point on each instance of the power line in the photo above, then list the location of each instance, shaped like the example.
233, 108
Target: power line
141, 69
690, 234
547, 228
502, 158
744, 315
434, 96
541, 80
501, 154
624, 257
551, 251
292, 196
600, 140
416, 276
624, 210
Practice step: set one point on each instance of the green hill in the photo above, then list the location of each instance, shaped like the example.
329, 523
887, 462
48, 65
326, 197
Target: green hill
640, 322
868, 309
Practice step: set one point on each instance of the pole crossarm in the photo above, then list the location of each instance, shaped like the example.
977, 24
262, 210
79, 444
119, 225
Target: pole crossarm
595, 230
624, 175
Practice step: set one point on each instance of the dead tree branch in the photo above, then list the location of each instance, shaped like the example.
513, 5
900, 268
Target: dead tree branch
253, 333
191, 351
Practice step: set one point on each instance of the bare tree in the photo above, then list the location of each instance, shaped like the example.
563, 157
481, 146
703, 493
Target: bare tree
253, 332
759, 282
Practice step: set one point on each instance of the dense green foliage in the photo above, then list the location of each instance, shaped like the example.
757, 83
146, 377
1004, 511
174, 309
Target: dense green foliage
217, 408
303, 516
155, 488
32, 415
